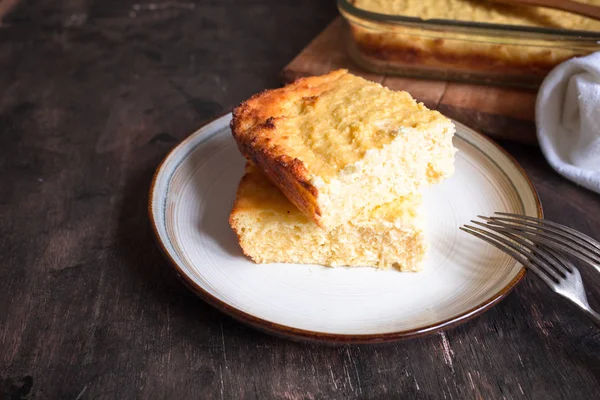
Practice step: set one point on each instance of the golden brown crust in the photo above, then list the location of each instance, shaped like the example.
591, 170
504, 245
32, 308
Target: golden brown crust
484, 59
255, 128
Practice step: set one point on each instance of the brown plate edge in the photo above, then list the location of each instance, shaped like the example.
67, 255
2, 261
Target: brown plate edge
331, 338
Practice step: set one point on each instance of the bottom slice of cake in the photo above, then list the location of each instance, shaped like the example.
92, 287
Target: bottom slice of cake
271, 229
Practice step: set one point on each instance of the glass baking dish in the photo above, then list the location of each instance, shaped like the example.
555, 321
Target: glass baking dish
456, 50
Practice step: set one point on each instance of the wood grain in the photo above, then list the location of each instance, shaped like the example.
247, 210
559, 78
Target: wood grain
486, 108
89, 307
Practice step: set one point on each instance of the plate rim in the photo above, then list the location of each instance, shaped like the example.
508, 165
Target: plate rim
289, 332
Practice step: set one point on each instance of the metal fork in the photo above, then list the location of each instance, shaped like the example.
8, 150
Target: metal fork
556, 236
538, 244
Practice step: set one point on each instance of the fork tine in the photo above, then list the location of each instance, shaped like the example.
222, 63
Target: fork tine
555, 227
548, 261
586, 244
568, 265
565, 228
550, 256
538, 235
506, 247
540, 238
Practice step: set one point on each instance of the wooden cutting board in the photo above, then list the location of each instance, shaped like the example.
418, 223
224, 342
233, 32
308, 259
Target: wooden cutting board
501, 112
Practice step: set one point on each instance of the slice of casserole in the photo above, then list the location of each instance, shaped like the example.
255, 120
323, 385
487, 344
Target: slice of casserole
338, 144
271, 229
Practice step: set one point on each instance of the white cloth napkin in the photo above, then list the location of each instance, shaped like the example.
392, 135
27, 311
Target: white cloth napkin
568, 120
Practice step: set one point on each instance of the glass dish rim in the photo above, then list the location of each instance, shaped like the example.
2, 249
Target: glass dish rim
563, 34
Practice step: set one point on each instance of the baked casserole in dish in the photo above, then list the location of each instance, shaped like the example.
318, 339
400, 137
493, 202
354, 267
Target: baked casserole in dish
478, 41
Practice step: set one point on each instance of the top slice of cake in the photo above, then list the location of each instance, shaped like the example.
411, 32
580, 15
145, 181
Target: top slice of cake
338, 144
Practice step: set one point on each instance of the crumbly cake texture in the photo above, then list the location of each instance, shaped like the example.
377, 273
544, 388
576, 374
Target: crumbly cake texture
271, 229
484, 11
403, 49
337, 144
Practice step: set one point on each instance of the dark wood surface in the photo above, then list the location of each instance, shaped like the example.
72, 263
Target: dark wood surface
93, 93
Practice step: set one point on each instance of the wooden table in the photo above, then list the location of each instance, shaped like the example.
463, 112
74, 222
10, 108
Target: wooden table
93, 93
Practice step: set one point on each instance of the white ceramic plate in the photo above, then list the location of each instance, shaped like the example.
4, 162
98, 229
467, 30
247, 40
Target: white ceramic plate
192, 195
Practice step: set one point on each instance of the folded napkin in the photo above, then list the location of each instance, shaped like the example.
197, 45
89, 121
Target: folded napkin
568, 120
